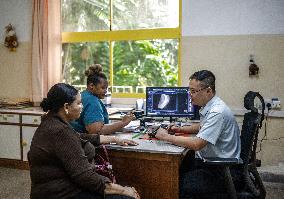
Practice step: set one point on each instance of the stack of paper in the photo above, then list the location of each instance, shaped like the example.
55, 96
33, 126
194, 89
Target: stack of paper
135, 124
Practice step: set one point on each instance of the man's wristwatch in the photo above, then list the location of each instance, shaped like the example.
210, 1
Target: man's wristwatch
154, 132
164, 126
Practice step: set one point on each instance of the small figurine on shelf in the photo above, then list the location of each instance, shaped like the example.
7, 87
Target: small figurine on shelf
11, 40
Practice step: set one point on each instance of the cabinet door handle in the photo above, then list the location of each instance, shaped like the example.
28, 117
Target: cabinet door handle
24, 143
35, 120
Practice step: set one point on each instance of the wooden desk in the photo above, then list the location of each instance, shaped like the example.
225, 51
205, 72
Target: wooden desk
152, 167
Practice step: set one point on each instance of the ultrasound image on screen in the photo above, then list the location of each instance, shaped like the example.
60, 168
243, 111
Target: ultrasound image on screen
168, 101
164, 102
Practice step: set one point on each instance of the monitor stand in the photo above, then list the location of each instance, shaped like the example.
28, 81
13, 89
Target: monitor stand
171, 119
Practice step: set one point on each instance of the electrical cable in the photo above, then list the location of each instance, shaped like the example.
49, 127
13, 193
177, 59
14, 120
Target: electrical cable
265, 130
268, 105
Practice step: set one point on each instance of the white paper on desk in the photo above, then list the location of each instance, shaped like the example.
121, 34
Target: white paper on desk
132, 125
112, 110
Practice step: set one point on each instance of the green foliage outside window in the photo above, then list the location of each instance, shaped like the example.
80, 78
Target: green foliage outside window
77, 57
145, 63
135, 62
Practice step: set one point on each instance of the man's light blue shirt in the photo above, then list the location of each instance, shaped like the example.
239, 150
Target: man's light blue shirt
220, 129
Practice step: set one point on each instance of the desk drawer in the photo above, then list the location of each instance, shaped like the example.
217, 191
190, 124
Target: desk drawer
31, 119
9, 118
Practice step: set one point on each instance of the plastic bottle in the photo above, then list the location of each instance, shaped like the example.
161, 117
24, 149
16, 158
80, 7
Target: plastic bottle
107, 100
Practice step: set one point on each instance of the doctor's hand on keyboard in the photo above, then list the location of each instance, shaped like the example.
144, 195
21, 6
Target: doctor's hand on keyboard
163, 134
173, 129
152, 133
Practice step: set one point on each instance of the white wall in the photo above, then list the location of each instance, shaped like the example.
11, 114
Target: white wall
219, 35
232, 17
19, 14
15, 67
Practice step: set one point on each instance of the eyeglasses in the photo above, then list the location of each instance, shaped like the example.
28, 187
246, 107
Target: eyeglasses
196, 91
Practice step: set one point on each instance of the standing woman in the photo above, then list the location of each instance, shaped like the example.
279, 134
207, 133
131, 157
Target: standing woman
59, 167
94, 117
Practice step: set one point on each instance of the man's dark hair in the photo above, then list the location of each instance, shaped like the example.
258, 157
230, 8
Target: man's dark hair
206, 78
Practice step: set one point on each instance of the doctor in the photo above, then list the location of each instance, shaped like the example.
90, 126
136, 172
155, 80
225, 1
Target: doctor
217, 135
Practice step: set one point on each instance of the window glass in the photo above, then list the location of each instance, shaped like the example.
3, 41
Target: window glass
137, 64
77, 57
149, 57
144, 14
85, 15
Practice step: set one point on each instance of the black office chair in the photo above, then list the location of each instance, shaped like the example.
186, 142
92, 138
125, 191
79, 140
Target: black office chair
242, 180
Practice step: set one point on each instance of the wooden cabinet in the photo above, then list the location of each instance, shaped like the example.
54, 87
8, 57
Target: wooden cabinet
9, 118
27, 136
31, 119
10, 136
10, 142
16, 133
29, 125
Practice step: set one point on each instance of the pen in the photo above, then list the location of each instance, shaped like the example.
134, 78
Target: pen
138, 134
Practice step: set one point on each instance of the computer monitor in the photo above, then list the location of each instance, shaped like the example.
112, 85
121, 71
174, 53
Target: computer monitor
169, 102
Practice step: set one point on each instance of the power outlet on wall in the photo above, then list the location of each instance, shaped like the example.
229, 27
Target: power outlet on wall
273, 103
268, 104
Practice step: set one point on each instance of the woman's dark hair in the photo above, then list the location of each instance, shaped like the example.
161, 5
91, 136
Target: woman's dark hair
95, 74
206, 77
57, 96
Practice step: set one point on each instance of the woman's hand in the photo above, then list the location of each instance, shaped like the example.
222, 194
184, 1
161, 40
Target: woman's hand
127, 118
131, 192
112, 188
125, 142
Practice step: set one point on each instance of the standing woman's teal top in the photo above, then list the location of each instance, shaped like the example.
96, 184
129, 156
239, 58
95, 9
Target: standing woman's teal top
93, 111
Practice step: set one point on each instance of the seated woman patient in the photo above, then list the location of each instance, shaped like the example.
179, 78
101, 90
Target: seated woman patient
94, 116
59, 167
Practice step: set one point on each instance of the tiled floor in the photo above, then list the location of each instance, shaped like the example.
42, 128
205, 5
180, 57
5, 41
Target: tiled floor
15, 184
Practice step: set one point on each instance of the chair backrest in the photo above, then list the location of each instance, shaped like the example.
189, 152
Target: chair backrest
251, 124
